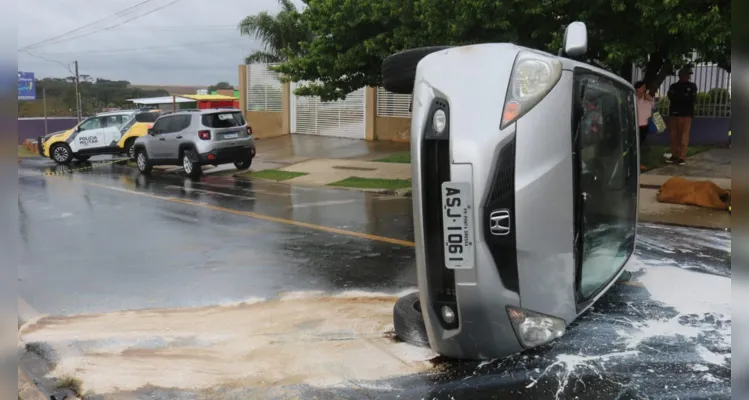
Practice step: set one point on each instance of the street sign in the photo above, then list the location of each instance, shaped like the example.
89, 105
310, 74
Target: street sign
26, 86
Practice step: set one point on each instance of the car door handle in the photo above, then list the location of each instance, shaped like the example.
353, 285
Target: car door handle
179, 137
162, 138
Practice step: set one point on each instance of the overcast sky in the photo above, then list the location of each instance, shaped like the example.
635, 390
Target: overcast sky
191, 42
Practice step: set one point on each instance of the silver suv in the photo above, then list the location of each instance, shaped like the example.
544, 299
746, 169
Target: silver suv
195, 138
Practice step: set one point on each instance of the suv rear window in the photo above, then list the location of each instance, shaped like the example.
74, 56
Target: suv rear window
223, 120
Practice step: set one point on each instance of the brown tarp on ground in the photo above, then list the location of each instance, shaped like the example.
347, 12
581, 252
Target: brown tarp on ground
678, 190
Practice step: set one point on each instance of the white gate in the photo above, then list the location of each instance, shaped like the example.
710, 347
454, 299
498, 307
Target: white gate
342, 118
264, 92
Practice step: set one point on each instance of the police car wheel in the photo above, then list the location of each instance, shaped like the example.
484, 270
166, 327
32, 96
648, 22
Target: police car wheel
409, 322
399, 69
130, 149
61, 153
141, 160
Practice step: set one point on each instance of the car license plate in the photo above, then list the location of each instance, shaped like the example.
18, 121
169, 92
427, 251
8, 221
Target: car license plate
457, 224
231, 135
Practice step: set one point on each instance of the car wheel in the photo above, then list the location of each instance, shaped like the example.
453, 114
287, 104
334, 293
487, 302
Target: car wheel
142, 161
189, 164
61, 153
129, 149
244, 164
408, 322
399, 69
82, 158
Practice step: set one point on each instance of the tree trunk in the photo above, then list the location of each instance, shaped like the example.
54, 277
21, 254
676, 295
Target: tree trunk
656, 71
626, 71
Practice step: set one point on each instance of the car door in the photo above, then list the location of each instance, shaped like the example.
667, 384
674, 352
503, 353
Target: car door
177, 125
156, 147
112, 133
89, 135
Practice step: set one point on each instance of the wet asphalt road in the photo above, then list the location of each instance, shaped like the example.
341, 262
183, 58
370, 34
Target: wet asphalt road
106, 238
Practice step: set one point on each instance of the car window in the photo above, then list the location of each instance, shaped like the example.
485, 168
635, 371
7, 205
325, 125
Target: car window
223, 119
148, 117
91, 123
607, 163
180, 122
161, 125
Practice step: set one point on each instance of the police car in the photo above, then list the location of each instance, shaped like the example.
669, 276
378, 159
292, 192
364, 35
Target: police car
105, 133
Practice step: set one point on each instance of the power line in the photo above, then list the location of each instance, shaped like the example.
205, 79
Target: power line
52, 61
118, 13
116, 25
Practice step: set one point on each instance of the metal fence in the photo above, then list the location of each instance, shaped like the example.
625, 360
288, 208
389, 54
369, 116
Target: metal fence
714, 90
391, 104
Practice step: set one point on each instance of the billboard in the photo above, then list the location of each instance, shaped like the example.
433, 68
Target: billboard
26, 86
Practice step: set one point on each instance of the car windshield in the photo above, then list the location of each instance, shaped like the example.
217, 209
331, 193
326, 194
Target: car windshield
229, 119
606, 150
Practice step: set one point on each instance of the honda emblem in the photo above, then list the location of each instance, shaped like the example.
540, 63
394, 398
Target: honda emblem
499, 222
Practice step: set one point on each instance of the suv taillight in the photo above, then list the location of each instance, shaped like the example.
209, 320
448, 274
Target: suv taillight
249, 130
205, 135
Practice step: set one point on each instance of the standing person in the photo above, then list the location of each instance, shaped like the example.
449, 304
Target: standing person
682, 95
645, 104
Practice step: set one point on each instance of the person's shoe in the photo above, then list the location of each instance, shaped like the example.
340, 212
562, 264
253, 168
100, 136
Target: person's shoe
667, 155
672, 160
680, 161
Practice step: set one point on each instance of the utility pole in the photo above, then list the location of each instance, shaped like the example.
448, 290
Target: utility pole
77, 94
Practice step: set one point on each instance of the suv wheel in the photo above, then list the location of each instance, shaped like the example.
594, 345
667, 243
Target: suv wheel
243, 164
61, 153
191, 167
142, 161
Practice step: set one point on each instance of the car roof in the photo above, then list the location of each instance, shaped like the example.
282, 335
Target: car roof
104, 114
202, 111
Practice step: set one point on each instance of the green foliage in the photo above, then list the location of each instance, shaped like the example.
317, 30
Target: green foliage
96, 94
347, 40
220, 86
280, 34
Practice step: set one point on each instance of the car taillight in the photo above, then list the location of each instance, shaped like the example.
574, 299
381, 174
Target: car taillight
150, 126
205, 135
249, 130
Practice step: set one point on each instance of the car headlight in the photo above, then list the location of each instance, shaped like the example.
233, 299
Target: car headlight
534, 329
533, 76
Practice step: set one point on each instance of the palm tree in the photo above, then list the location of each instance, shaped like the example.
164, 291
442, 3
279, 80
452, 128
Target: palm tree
280, 33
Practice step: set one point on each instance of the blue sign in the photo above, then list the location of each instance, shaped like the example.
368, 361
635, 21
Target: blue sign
26, 86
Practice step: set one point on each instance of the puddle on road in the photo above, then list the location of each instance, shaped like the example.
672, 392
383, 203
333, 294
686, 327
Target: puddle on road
300, 339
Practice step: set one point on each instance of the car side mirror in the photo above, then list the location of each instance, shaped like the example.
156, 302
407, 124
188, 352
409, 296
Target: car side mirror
575, 40
150, 131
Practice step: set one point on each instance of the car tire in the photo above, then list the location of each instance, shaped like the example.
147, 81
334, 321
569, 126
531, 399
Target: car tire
61, 153
129, 149
143, 163
82, 158
409, 322
243, 164
190, 164
399, 69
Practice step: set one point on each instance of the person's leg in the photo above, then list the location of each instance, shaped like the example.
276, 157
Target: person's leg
673, 129
686, 126
643, 149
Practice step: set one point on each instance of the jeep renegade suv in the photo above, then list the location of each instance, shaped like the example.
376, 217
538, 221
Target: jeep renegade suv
195, 138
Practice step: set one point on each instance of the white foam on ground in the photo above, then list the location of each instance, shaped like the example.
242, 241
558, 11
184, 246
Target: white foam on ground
694, 296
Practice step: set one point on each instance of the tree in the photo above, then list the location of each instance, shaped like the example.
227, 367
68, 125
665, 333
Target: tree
281, 34
220, 86
348, 39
